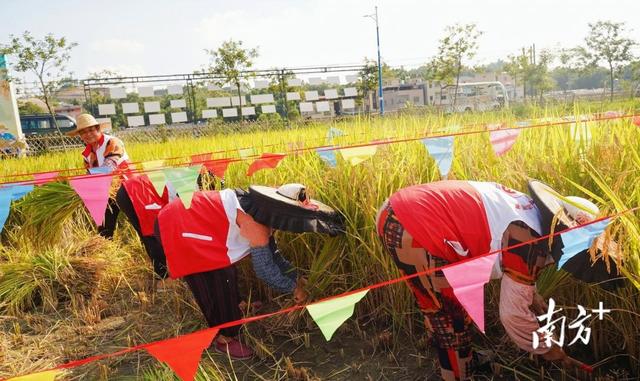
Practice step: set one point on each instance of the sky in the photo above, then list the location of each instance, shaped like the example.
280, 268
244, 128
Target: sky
141, 37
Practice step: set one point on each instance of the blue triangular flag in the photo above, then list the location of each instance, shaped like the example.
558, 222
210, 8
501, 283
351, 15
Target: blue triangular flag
5, 205
333, 132
100, 170
441, 149
580, 239
328, 156
19, 191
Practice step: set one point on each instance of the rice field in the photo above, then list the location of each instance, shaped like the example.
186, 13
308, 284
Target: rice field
66, 294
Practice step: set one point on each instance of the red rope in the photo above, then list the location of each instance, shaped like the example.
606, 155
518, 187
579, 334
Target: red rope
76, 363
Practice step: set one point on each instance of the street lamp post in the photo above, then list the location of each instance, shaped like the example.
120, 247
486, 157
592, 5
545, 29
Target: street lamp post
380, 96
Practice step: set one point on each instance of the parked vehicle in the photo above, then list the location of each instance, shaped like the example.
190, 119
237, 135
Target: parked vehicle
41, 124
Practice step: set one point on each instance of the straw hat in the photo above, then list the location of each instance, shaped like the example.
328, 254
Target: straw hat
559, 213
85, 121
288, 208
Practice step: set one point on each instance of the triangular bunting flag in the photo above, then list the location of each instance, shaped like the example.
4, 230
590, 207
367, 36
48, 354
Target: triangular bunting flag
5, 206
332, 133
200, 158
330, 315
184, 181
183, 353
100, 170
48, 375
266, 160
503, 140
42, 178
467, 280
94, 192
357, 155
19, 191
246, 152
577, 240
636, 120
441, 149
217, 167
328, 156
156, 176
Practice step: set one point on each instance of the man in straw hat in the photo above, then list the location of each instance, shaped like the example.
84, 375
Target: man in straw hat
103, 151
220, 228
430, 225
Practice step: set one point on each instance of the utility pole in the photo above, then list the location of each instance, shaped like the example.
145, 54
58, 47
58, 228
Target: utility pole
374, 17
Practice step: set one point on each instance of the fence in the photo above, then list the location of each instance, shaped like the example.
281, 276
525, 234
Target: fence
278, 94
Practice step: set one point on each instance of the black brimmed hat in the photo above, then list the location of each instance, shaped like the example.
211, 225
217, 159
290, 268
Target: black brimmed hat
559, 213
289, 209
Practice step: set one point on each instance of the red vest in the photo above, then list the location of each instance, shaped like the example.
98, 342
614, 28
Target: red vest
204, 237
146, 201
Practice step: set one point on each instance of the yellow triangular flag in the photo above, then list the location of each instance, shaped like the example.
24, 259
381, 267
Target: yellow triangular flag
357, 155
48, 375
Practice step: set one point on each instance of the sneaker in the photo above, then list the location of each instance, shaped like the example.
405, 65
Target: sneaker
235, 349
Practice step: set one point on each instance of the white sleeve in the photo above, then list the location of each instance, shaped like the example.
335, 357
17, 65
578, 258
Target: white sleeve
518, 320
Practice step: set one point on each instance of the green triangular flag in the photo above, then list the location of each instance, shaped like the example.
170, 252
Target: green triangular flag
330, 315
184, 181
156, 177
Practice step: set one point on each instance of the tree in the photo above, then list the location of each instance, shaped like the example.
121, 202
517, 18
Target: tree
518, 67
368, 79
45, 59
30, 108
459, 43
231, 62
606, 43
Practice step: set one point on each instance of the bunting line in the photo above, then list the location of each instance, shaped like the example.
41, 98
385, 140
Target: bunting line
309, 149
76, 363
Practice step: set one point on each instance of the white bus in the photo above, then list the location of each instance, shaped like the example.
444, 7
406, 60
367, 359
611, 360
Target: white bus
474, 96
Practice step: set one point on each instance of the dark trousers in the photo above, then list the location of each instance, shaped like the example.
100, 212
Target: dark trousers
151, 244
110, 219
216, 293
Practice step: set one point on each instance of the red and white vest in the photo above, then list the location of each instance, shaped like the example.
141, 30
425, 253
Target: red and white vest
146, 201
204, 237
455, 219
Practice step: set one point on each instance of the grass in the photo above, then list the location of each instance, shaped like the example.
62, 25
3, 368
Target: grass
45, 284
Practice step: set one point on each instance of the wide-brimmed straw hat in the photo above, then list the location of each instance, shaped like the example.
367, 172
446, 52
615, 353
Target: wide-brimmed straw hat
85, 121
288, 208
559, 213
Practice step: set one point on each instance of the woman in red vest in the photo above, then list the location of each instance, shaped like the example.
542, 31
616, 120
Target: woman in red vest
202, 243
104, 153
430, 225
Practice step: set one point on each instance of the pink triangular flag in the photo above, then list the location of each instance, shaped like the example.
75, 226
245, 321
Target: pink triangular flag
183, 353
467, 280
636, 120
503, 140
94, 191
266, 160
42, 178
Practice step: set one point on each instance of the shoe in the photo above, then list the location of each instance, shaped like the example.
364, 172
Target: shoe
235, 349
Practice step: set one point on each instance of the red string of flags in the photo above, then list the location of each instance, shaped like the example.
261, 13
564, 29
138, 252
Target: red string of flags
93, 188
467, 278
298, 147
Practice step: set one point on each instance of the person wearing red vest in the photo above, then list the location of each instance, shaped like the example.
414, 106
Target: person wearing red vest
138, 199
102, 154
430, 225
222, 227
